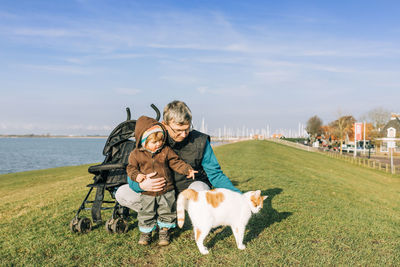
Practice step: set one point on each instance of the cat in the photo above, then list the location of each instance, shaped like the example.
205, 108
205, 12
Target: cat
212, 208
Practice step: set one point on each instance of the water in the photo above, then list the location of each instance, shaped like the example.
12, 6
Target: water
24, 154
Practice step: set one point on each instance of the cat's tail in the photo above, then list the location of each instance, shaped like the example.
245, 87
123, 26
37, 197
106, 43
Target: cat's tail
181, 204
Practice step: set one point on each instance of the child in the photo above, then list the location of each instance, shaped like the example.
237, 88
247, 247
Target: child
149, 156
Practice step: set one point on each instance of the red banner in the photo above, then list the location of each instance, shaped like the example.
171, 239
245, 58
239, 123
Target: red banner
357, 130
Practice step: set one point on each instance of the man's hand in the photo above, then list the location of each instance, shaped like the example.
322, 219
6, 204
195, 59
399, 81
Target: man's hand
152, 185
191, 174
140, 178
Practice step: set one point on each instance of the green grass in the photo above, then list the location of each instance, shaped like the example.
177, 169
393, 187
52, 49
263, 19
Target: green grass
320, 211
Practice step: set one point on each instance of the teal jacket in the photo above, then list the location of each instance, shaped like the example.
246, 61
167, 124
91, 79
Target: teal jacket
210, 165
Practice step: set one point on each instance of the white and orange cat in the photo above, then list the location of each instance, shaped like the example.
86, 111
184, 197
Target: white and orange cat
208, 209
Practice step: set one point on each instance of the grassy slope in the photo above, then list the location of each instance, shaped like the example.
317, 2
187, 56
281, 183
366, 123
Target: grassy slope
320, 211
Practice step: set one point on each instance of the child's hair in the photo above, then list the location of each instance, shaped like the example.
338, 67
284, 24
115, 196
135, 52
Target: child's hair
157, 136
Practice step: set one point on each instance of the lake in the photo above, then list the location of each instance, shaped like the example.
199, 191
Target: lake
25, 154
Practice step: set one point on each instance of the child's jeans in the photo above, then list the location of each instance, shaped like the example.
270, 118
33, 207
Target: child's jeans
157, 210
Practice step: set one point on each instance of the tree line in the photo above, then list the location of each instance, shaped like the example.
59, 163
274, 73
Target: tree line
336, 132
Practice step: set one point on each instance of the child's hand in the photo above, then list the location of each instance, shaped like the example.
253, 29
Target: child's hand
191, 174
140, 178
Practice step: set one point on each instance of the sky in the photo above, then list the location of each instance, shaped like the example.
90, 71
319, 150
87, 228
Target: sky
72, 67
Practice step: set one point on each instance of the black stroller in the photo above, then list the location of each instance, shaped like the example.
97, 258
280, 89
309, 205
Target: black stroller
109, 176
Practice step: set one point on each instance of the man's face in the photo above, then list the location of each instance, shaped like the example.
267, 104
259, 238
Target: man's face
178, 132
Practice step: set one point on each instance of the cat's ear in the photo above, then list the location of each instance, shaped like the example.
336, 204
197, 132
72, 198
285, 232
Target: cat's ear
264, 197
257, 193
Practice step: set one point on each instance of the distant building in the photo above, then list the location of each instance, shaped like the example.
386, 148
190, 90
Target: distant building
390, 136
258, 137
277, 135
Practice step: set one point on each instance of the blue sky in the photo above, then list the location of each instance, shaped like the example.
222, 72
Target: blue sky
71, 67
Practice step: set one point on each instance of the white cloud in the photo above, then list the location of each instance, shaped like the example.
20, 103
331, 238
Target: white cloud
3, 126
45, 32
237, 48
98, 128
202, 89
66, 69
53, 128
228, 56
199, 31
274, 76
183, 79
127, 91
6, 15
233, 91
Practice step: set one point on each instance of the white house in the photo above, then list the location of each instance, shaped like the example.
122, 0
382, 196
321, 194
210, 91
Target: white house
391, 133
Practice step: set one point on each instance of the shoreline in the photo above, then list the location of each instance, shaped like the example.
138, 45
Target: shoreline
53, 136
50, 160
213, 139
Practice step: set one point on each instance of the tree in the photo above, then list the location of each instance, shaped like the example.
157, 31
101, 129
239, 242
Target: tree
314, 125
328, 133
378, 117
342, 127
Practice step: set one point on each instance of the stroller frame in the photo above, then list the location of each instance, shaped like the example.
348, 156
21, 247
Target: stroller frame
109, 175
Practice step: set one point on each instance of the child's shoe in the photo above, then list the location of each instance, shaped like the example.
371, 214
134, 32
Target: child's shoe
163, 237
144, 239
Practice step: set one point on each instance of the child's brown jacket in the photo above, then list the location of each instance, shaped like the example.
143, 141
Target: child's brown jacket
162, 161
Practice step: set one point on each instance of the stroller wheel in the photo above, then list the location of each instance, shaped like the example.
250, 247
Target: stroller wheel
119, 226
108, 226
123, 213
84, 225
73, 224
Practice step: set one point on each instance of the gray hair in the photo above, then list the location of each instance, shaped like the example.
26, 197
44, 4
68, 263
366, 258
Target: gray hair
177, 111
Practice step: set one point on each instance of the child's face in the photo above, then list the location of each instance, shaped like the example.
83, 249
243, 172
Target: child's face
153, 145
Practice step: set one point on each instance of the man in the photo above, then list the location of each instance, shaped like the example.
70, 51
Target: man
193, 147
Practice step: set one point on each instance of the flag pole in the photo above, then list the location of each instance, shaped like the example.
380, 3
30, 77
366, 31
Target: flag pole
355, 140
364, 139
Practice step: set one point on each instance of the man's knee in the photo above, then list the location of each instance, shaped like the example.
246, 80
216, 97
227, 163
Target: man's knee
199, 186
126, 197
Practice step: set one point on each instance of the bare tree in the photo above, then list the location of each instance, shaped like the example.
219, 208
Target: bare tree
342, 127
378, 117
313, 127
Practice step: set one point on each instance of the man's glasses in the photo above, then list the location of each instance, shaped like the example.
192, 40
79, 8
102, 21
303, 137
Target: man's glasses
179, 131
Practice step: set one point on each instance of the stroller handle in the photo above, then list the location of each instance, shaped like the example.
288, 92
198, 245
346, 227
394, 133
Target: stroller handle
158, 115
157, 111
128, 114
